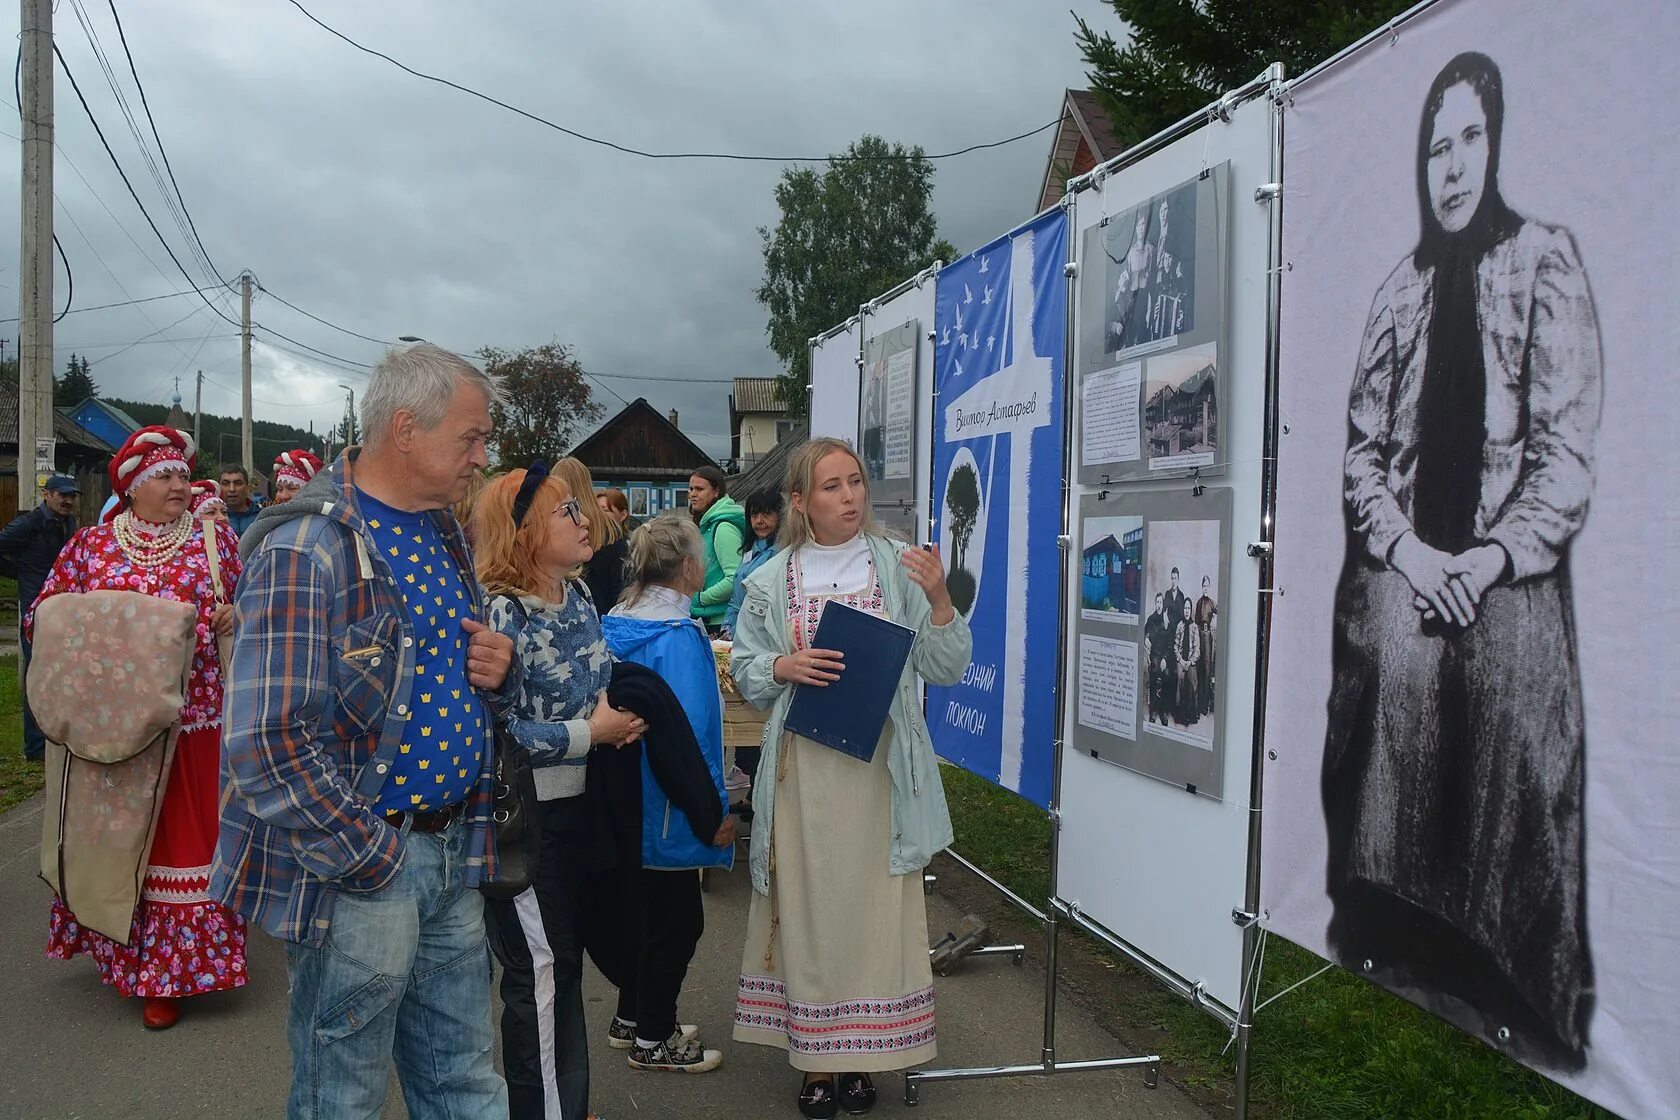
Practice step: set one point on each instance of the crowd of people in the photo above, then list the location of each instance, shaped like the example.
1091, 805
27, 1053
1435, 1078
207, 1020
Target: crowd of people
357, 646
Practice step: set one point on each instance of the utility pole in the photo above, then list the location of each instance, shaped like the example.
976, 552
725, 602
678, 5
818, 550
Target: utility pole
349, 417
246, 455
35, 257
198, 412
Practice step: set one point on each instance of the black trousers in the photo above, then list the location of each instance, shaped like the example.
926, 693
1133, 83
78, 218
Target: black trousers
662, 913
34, 740
538, 939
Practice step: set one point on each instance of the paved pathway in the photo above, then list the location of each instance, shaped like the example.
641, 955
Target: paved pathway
74, 1050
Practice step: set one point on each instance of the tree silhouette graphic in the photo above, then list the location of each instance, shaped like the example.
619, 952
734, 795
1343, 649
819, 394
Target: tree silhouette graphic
962, 496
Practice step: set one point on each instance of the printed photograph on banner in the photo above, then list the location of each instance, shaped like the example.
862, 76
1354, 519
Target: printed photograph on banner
1151, 255
1471, 796
638, 501
1181, 408
887, 423
1111, 570
1181, 631
962, 531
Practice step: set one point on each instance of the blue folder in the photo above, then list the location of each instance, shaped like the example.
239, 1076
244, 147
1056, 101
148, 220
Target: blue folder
848, 714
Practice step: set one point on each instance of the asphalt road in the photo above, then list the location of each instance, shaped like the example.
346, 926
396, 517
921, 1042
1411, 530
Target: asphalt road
73, 1050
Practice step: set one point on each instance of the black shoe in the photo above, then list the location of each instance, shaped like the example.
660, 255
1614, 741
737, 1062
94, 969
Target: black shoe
857, 1093
816, 1100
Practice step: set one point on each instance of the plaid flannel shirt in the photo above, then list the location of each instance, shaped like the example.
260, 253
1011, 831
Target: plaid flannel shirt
321, 680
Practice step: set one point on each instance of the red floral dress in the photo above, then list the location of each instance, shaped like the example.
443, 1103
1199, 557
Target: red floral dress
182, 943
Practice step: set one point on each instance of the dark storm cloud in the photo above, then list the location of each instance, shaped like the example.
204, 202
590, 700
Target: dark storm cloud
396, 206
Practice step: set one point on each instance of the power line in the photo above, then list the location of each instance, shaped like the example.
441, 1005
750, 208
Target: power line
161, 150
132, 193
311, 358
121, 303
108, 71
363, 366
323, 322
546, 123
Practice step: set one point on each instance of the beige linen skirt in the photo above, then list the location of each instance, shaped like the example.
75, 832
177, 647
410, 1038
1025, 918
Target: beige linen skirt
835, 969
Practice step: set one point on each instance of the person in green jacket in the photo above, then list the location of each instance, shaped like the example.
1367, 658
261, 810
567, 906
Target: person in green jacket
723, 528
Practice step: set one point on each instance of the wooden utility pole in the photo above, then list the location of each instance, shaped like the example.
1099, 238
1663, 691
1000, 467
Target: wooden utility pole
35, 258
246, 455
198, 412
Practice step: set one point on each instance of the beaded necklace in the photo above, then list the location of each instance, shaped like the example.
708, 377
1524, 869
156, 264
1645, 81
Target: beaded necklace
145, 550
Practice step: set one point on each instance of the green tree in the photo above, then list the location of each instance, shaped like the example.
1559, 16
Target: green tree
962, 497
847, 234
548, 406
76, 385
1182, 55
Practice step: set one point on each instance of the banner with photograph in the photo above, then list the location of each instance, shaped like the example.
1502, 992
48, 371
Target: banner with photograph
1152, 318
1001, 330
888, 423
1472, 796
1147, 656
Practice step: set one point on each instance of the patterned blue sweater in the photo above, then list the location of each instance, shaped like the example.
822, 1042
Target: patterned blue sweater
565, 666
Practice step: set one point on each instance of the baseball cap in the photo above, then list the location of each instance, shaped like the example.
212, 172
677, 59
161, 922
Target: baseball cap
61, 484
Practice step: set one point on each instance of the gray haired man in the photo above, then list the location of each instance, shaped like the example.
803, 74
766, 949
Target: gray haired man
357, 755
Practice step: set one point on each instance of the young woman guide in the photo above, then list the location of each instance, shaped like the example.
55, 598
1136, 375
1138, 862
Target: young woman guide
835, 969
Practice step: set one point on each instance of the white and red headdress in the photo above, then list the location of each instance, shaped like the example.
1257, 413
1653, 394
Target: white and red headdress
296, 468
147, 453
207, 499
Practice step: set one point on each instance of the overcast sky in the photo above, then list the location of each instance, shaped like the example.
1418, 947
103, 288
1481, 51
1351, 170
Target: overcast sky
396, 206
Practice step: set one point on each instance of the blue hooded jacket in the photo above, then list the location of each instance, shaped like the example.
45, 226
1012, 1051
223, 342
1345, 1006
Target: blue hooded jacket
680, 652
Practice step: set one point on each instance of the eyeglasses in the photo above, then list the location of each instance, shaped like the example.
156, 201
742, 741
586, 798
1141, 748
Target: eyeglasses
573, 509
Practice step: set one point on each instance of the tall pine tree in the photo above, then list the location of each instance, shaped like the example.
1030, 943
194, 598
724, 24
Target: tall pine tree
76, 385
1183, 54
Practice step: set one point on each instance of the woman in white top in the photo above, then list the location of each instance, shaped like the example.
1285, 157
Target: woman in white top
835, 969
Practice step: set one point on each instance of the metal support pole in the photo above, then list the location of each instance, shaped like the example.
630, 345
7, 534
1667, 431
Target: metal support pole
35, 256
246, 454
198, 411
1272, 199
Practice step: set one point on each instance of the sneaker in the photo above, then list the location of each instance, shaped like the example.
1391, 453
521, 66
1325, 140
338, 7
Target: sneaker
622, 1036
676, 1053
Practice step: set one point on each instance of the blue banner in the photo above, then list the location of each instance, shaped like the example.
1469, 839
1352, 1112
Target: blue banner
1000, 342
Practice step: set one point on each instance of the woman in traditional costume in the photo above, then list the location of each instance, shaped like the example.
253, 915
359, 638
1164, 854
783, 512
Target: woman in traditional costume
181, 943
293, 470
835, 969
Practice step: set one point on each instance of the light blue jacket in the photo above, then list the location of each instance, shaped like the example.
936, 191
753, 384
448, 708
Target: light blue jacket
762, 549
921, 821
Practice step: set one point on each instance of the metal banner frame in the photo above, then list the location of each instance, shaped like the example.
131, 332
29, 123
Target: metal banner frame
1271, 85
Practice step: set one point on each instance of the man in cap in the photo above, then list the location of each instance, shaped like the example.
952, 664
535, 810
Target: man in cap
30, 544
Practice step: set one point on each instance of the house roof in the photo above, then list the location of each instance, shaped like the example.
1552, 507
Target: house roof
771, 470
65, 430
1085, 128
113, 412
641, 442
756, 394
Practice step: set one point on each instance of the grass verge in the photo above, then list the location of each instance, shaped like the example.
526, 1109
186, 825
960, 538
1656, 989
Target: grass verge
1337, 1048
18, 779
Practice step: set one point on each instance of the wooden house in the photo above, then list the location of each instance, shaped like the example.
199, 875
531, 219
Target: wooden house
643, 453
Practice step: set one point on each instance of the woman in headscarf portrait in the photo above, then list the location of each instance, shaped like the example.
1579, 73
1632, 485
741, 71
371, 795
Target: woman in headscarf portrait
1455, 760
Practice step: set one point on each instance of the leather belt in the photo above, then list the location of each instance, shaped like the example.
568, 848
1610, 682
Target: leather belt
435, 820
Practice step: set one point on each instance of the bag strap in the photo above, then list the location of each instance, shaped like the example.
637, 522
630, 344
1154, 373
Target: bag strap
212, 557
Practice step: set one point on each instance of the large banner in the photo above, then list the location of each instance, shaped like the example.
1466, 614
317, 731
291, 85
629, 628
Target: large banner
1001, 331
1472, 787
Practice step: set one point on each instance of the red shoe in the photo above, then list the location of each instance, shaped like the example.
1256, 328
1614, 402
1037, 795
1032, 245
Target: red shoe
159, 1014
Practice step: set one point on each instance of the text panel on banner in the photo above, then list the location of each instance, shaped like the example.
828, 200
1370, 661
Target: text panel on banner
1001, 333
1471, 790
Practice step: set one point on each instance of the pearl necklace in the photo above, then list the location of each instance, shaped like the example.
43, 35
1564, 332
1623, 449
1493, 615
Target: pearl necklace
147, 551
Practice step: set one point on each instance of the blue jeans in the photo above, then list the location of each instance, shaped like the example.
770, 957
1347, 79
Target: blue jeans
404, 974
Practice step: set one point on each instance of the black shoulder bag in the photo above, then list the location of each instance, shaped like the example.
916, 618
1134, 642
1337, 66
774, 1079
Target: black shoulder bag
513, 812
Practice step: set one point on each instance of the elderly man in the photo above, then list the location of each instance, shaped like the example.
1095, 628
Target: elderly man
357, 755
32, 542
